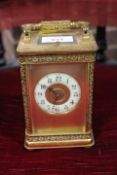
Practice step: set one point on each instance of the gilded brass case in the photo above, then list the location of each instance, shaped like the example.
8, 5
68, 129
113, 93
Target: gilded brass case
77, 59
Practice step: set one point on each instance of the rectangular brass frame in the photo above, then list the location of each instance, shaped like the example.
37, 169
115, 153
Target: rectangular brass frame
60, 141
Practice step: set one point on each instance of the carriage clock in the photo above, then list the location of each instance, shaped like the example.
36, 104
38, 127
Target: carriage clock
56, 62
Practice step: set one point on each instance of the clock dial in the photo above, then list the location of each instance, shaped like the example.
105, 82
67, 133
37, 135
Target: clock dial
57, 93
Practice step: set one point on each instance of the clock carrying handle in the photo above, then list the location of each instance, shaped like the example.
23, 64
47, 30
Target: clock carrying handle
48, 27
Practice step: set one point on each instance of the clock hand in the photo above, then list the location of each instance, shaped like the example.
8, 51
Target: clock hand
53, 92
57, 94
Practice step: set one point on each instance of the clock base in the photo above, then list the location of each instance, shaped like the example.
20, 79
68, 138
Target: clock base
59, 141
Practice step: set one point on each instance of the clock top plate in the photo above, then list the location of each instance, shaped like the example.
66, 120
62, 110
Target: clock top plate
53, 39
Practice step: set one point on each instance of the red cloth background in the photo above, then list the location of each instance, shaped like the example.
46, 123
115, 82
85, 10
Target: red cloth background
98, 160
17, 12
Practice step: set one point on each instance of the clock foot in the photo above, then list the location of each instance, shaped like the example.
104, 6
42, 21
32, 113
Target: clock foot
59, 141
